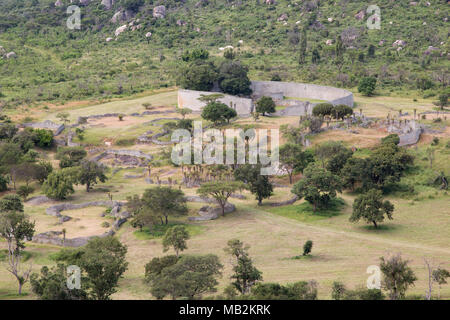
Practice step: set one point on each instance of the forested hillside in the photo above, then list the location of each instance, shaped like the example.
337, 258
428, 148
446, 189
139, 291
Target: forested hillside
318, 41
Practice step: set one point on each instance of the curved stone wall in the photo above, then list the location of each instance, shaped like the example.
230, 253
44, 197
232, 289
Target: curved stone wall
278, 91
302, 90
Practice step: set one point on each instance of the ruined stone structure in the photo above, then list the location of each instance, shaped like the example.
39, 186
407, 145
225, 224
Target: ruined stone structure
278, 91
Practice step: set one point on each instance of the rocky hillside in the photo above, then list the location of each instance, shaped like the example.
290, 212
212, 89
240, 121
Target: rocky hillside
127, 46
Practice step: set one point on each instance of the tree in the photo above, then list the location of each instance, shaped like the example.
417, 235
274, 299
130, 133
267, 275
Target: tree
15, 228
102, 262
8, 131
198, 75
63, 117
70, 156
59, 184
318, 186
25, 191
43, 138
337, 161
51, 284
188, 276
307, 247
371, 207
440, 276
42, 170
184, 112
397, 276
176, 237
327, 150
265, 105
142, 216
220, 191
229, 54
245, 275
164, 202
11, 203
293, 159
233, 78
300, 290
392, 138
367, 86
323, 109
303, 47
89, 173
196, 54
315, 59
341, 111
259, 185
340, 292
443, 101
218, 112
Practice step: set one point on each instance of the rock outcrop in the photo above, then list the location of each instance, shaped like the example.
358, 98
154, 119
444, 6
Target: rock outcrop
159, 12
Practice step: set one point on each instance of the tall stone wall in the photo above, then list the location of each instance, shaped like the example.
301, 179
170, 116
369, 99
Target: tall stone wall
302, 90
189, 99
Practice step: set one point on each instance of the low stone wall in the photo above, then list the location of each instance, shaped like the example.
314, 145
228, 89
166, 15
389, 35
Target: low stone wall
208, 212
189, 99
303, 90
47, 124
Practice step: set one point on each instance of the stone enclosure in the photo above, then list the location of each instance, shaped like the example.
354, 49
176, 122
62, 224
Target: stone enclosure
290, 94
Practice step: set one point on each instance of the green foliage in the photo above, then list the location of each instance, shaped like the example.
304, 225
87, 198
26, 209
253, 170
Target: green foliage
11, 203
198, 76
392, 138
25, 191
300, 290
259, 185
341, 111
188, 277
233, 78
397, 276
176, 237
70, 156
371, 207
218, 112
59, 184
323, 109
340, 292
51, 284
367, 86
15, 228
90, 172
102, 262
293, 159
43, 138
307, 247
220, 191
196, 54
265, 105
163, 202
245, 275
318, 186
3, 183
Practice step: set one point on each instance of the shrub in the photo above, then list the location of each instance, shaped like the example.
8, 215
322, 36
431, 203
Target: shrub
323, 109
307, 247
367, 86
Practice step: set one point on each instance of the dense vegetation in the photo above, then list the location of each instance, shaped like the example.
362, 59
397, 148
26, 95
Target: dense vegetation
57, 64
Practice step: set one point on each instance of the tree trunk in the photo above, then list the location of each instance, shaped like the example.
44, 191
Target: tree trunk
223, 209
375, 224
259, 201
87, 187
20, 288
167, 220
290, 178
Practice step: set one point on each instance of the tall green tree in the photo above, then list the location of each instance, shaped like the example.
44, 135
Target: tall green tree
318, 186
259, 185
15, 228
371, 207
188, 277
175, 237
293, 159
59, 184
90, 172
265, 105
397, 276
165, 202
245, 275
